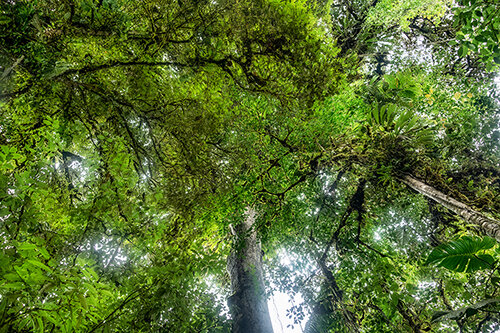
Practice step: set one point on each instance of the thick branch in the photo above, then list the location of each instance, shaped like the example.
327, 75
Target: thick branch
489, 226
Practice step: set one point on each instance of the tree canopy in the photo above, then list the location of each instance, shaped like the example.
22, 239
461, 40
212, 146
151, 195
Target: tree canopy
165, 163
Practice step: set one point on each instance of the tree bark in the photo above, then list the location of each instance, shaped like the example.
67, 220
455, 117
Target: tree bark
338, 298
489, 226
410, 317
248, 303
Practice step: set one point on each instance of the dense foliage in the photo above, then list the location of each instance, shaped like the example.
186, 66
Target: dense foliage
134, 134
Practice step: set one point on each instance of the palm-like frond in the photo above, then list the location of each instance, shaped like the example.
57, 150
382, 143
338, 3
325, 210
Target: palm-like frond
467, 254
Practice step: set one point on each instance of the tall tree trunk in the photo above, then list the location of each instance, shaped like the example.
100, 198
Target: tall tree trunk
322, 310
489, 226
248, 303
325, 309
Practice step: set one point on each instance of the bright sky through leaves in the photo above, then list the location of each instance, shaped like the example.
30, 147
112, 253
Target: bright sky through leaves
165, 165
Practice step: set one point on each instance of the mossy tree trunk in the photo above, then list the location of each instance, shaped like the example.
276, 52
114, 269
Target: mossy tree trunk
248, 303
487, 225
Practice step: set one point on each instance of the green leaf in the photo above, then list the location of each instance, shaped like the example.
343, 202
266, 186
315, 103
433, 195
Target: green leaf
391, 113
44, 252
375, 114
92, 272
408, 93
467, 311
495, 281
14, 285
40, 324
462, 51
11, 277
40, 265
26, 247
83, 301
392, 81
463, 255
402, 120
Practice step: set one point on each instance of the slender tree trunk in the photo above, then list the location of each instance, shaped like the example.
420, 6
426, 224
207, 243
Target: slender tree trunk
410, 317
324, 309
489, 226
248, 303
338, 298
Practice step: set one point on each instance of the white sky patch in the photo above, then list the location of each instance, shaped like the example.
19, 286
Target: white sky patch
114, 255
279, 304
